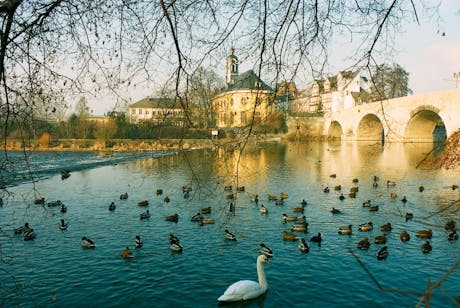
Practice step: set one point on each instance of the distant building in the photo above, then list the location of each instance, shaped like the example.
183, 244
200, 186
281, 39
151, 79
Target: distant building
342, 91
247, 97
158, 110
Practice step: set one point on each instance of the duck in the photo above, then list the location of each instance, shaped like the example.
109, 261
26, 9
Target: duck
426, 247
375, 184
138, 243
454, 187
186, 189
87, 243
265, 250
228, 188
173, 218
421, 188
143, 203
354, 189
409, 216
424, 233
303, 246
247, 289
345, 230
240, 188
255, 199
283, 196
173, 239
453, 236
386, 227
63, 225
391, 183
338, 187
303, 202
186, 194
367, 203
22, 229
63, 208
355, 180
54, 203
317, 239
301, 219
376, 178
299, 209
229, 236
393, 195
272, 197
341, 197
175, 247
263, 209
333, 175
206, 210
302, 227
159, 192
380, 239
382, 253
335, 211
196, 217
364, 244
145, 215
126, 253
279, 202
124, 196
29, 235
65, 174
352, 195
287, 236
39, 201
450, 225
231, 196
166, 199
112, 207
404, 199
365, 227
404, 236
326, 189
374, 208
231, 207
287, 218
206, 221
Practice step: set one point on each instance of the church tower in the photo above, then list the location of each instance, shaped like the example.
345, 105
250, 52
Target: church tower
232, 66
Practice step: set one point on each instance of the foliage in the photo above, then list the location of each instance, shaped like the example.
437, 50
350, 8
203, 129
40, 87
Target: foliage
389, 82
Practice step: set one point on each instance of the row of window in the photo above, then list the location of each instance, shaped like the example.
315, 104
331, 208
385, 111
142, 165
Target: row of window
141, 111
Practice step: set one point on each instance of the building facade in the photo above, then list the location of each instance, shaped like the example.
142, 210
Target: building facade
158, 110
246, 98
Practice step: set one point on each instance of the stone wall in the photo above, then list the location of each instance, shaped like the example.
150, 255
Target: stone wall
305, 127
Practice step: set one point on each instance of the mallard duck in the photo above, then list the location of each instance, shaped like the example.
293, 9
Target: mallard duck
341, 197
39, 201
364, 244
124, 196
375, 184
228, 188
287, 218
409, 216
354, 189
303, 246
352, 195
453, 236
173, 218
63, 225
317, 239
345, 230
355, 180
404, 199
265, 250
326, 189
143, 203
29, 235
404, 236
196, 217
229, 236
303, 202
424, 233
450, 225
335, 211
54, 203
299, 209
426, 247
333, 175
255, 199
138, 243
145, 215
454, 187
173, 239
380, 239
338, 187
63, 208
302, 227
376, 178
367, 203
206, 221
283, 195
231, 196
186, 195
22, 229
126, 253
386, 227
112, 207
421, 188
374, 208
159, 192
368, 226
175, 247
382, 253
206, 210
166, 199
240, 188
87, 243
393, 195
263, 209
287, 236
279, 202
272, 197
391, 183
301, 219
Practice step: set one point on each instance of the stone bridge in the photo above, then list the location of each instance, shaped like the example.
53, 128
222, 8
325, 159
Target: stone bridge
419, 118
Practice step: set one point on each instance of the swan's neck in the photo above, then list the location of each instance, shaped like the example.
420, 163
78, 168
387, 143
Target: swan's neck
261, 275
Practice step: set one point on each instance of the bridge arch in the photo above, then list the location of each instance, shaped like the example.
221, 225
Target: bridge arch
370, 128
425, 125
335, 130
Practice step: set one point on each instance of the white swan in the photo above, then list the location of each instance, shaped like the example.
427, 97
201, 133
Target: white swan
247, 289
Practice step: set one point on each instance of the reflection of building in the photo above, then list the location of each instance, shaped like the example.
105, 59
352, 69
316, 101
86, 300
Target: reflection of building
247, 97
158, 110
345, 90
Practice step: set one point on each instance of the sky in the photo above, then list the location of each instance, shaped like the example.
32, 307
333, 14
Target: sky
429, 52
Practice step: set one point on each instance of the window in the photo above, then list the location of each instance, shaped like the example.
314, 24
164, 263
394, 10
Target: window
140, 111
257, 84
244, 119
243, 101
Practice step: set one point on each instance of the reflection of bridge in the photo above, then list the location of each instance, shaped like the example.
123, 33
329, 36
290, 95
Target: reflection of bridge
420, 118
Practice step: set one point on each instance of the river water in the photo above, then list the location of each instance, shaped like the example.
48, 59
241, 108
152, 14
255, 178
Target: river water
54, 270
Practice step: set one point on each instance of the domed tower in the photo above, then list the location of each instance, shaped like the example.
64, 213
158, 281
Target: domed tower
232, 66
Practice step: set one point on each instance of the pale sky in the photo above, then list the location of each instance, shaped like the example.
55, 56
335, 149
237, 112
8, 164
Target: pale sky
430, 57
